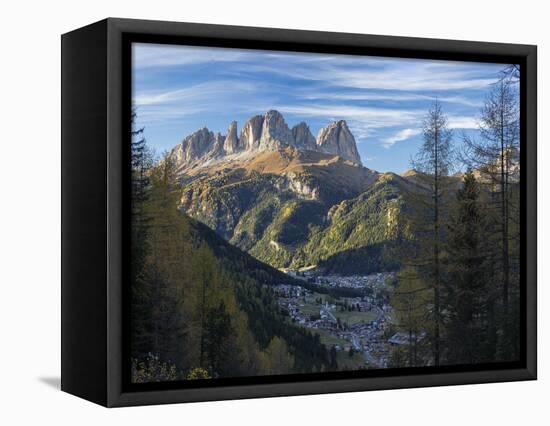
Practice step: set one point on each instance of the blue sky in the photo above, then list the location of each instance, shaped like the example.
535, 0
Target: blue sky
179, 89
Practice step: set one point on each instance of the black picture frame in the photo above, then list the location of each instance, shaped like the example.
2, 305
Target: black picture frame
96, 91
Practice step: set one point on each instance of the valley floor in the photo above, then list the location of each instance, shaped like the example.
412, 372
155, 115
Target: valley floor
358, 327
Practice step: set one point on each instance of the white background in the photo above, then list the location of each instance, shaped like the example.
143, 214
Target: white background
30, 211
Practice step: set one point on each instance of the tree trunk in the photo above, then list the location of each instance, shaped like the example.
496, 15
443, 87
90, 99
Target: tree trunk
436, 256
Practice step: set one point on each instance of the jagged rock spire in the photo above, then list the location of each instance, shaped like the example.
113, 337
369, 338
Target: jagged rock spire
231, 143
337, 139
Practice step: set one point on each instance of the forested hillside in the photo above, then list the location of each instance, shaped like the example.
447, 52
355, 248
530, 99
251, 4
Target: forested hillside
200, 307
292, 210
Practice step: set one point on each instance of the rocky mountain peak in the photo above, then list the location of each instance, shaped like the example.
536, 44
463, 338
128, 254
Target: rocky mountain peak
337, 139
275, 132
251, 133
303, 139
218, 149
197, 144
261, 133
231, 143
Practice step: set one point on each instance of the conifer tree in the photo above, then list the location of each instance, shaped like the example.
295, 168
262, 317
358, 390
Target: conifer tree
468, 297
410, 302
219, 334
495, 155
140, 164
433, 163
165, 282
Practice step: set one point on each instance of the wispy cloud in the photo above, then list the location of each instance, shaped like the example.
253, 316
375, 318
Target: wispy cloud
463, 122
211, 92
424, 77
151, 55
389, 96
147, 55
454, 122
371, 116
391, 75
401, 135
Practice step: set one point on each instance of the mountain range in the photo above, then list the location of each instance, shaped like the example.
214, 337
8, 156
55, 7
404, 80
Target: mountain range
289, 199
262, 133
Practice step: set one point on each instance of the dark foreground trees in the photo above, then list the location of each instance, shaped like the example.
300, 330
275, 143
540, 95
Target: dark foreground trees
195, 313
411, 302
462, 252
429, 206
469, 298
495, 156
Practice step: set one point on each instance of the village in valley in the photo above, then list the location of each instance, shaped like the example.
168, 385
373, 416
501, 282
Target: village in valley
350, 313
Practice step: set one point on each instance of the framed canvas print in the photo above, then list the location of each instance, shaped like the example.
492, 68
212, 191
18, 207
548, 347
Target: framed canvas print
255, 212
